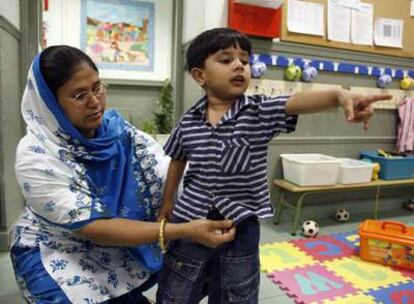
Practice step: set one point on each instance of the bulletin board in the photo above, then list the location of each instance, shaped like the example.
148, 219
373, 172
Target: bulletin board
395, 9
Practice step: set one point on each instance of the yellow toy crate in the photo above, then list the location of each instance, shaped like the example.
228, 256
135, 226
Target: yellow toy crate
387, 242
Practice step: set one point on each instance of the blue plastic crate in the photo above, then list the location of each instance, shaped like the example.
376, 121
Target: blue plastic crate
392, 167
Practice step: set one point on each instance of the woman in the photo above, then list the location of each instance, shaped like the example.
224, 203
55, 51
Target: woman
92, 184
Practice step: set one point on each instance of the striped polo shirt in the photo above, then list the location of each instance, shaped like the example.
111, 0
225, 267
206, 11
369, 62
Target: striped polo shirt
227, 162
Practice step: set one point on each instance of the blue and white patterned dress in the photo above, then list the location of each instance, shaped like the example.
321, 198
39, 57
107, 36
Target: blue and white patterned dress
69, 181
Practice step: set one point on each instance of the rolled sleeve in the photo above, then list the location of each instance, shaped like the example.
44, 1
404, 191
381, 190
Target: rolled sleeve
173, 147
273, 116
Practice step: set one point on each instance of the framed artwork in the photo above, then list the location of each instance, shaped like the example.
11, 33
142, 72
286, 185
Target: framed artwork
119, 35
129, 40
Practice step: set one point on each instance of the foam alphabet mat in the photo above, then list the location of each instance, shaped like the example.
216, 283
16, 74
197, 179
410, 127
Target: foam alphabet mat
327, 269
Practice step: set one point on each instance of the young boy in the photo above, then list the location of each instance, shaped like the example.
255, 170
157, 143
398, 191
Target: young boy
223, 138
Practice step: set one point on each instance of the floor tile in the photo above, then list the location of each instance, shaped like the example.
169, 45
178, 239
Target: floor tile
8, 285
268, 289
281, 299
4, 258
12, 299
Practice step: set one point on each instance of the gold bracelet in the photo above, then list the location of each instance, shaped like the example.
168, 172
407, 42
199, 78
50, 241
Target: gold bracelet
161, 241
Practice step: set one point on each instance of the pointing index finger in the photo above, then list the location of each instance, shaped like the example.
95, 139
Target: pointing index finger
367, 100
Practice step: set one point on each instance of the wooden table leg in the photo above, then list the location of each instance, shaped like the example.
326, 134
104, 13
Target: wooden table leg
279, 207
298, 210
376, 206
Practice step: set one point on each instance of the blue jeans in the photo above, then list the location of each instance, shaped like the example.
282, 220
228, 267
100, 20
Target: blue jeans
227, 274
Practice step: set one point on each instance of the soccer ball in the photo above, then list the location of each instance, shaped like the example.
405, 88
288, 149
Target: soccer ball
310, 228
409, 204
342, 215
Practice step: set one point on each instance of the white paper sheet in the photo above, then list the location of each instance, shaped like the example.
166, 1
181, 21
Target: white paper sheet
388, 32
263, 3
362, 24
339, 22
305, 17
354, 4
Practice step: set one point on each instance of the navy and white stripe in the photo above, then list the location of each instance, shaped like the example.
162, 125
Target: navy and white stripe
227, 162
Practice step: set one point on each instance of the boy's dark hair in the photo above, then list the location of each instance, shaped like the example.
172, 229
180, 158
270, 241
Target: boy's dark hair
58, 64
211, 41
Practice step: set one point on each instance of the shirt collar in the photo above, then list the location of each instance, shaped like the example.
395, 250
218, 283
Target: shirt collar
200, 106
241, 102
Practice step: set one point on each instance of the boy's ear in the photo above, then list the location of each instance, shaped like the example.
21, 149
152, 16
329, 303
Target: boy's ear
198, 76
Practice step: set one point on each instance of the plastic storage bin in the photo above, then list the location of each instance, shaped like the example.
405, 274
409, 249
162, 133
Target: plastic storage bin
388, 243
310, 169
352, 171
392, 168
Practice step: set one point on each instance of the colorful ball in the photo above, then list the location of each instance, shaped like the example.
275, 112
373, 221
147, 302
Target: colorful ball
384, 80
309, 73
257, 69
406, 83
293, 72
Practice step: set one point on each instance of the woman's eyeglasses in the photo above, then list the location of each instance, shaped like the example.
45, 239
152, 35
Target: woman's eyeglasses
84, 97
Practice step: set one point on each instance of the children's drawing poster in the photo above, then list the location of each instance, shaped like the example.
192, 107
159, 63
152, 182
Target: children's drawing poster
119, 34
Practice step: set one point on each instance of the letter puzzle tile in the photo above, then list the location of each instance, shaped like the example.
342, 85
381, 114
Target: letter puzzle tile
403, 293
324, 248
350, 238
311, 283
284, 255
328, 270
365, 275
358, 298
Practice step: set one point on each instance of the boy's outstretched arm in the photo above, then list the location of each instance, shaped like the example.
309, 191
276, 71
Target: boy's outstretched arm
357, 107
175, 172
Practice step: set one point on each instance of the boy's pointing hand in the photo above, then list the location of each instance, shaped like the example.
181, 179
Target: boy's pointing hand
357, 107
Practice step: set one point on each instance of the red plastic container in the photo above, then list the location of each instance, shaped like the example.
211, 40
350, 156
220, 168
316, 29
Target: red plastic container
255, 20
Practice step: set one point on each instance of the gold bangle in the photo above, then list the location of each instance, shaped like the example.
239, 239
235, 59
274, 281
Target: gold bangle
161, 241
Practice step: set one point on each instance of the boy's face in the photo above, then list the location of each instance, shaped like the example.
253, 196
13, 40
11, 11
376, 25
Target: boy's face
226, 73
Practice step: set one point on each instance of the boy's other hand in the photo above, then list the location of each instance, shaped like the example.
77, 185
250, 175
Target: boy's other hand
206, 232
357, 107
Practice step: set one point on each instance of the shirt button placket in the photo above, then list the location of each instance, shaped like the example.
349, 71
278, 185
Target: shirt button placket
211, 197
213, 135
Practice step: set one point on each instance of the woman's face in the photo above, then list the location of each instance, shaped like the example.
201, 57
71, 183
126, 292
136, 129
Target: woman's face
83, 99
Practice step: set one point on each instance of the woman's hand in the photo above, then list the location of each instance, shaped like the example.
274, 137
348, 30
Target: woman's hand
357, 107
165, 210
210, 233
